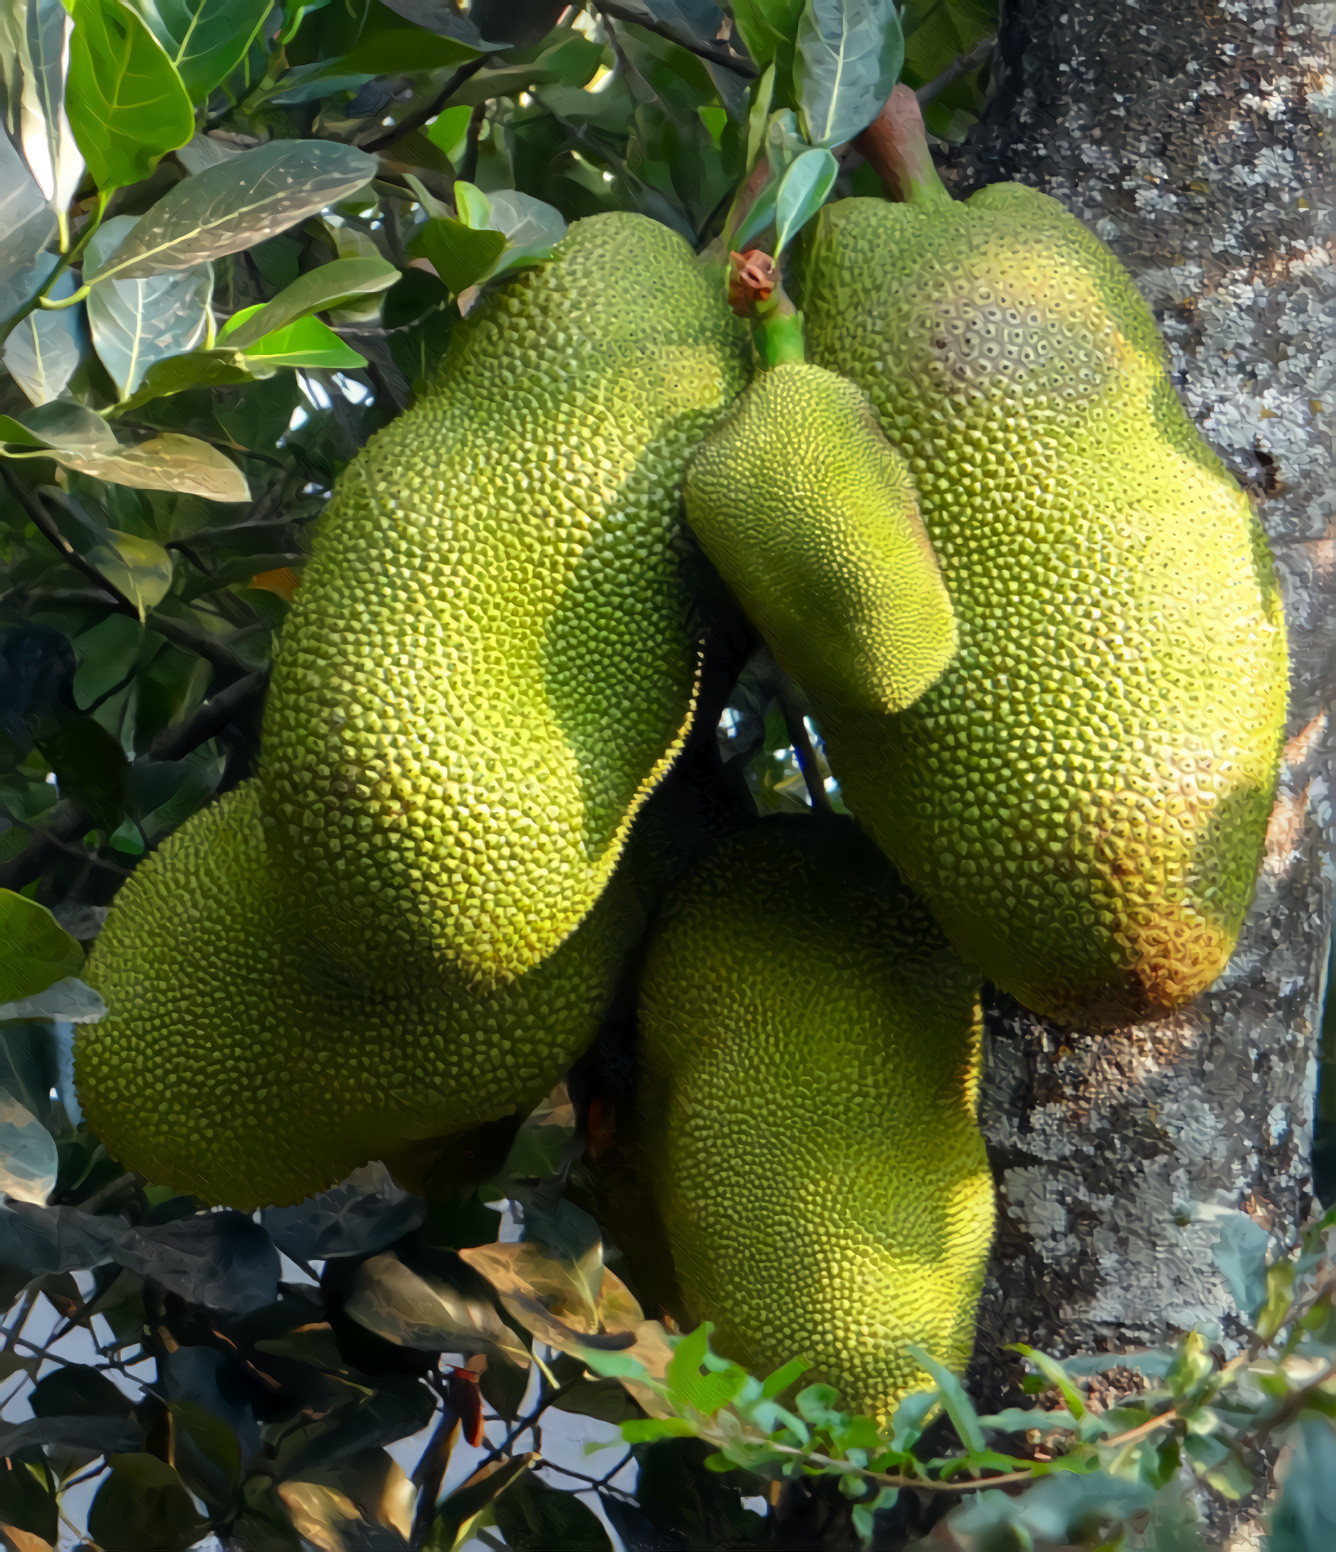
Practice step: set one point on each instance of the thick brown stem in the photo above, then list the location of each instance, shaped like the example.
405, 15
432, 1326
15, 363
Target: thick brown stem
896, 146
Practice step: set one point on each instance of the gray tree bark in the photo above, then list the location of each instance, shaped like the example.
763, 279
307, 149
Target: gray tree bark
1196, 137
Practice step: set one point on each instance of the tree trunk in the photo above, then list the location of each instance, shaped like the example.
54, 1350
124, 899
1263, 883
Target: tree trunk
1195, 136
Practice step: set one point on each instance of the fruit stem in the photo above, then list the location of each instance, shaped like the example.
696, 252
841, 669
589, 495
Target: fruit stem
757, 294
896, 147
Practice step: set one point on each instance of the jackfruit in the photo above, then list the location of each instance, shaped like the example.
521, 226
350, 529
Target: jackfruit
810, 516
809, 1062
245, 1060
489, 662
1082, 798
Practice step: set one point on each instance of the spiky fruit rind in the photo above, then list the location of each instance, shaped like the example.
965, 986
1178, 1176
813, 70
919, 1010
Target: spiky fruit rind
1082, 799
246, 1061
810, 516
489, 662
809, 1064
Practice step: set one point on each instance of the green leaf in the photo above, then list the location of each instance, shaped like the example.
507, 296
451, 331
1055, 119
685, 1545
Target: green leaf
332, 285
48, 143
447, 129
778, 1382
37, 949
394, 1302
474, 207
43, 352
136, 567
534, 1517
457, 1512
849, 57
136, 323
28, 1158
1056, 1375
959, 1407
1240, 1253
767, 27
200, 369
166, 462
1279, 1298
532, 227
127, 105
27, 224
688, 1387
205, 39
78, 1388
406, 51
70, 427
802, 191
237, 204
307, 342
143, 1504
461, 255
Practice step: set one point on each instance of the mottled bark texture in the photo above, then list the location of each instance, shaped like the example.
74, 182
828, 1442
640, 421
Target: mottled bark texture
1196, 137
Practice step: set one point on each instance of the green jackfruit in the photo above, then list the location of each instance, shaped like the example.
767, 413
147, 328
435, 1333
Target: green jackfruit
244, 1060
1082, 799
489, 663
809, 1062
809, 515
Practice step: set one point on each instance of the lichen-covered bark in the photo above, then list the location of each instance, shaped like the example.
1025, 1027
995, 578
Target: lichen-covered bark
1196, 137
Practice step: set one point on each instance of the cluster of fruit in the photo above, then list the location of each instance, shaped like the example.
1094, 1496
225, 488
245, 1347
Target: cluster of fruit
1038, 625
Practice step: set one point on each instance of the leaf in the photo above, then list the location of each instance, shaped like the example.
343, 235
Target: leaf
307, 342
316, 291
532, 227
959, 1407
365, 1213
570, 1306
37, 949
28, 1158
802, 191
238, 204
63, 425
26, 226
848, 58
199, 369
705, 1392
442, 16
43, 352
406, 50
205, 39
318, 1513
449, 127
1056, 1375
767, 28
220, 1260
143, 1504
394, 1302
534, 1517
48, 142
456, 1512
136, 323
167, 462
461, 255
1240, 1253
126, 103
77, 1388
136, 567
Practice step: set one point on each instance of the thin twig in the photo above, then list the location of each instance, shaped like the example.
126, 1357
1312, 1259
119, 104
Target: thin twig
419, 116
711, 51
953, 72
45, 525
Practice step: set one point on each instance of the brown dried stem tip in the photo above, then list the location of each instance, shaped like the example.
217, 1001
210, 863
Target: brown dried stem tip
752, 277
756, 293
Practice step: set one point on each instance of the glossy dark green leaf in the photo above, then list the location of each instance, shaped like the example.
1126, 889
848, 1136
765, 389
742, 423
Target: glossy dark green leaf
848, 59
43, 352
364, 1214
74, 1387
406, 50
26, 226
802, 191
768, 27
318, 290
143, 1504
236, 204
37, 950
461, 255
198, 369
126, 103
205, 39
534, 1517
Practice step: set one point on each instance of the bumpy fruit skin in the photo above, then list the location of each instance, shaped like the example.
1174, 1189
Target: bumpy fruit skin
809, 1062
488, 664
244, 1061
1082, 799
810, 516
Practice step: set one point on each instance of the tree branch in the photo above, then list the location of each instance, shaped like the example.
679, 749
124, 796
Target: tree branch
419, 116
209, 719
708, 51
